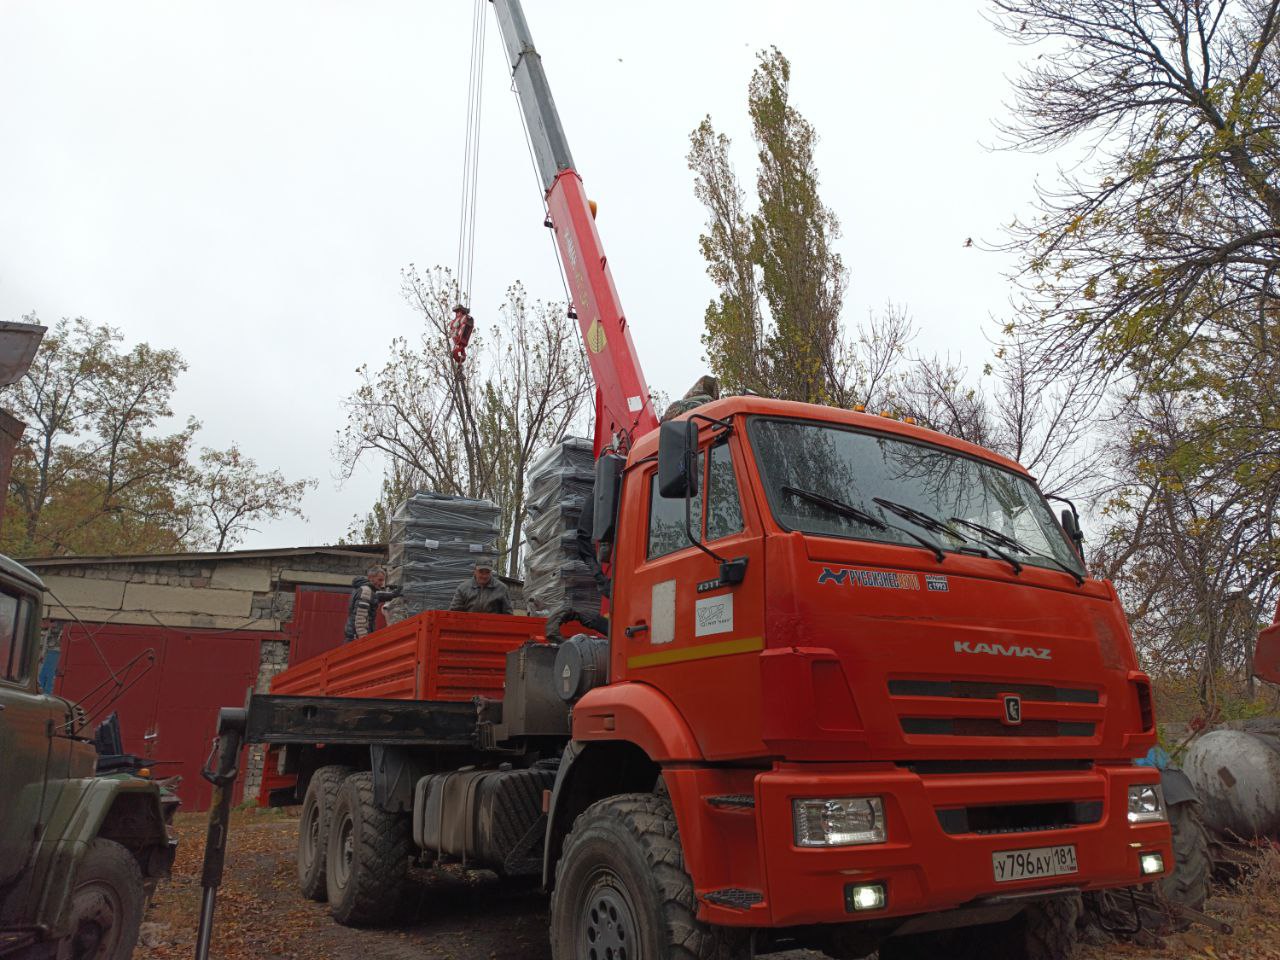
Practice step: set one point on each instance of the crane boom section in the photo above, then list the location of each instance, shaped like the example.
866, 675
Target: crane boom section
624, 410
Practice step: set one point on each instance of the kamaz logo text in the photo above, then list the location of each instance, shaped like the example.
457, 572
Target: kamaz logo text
1000, 650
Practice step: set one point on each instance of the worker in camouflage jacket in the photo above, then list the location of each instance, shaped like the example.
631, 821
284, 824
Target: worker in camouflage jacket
483, 593
367, 596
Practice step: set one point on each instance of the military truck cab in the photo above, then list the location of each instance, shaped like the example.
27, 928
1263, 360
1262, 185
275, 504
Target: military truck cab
79, 854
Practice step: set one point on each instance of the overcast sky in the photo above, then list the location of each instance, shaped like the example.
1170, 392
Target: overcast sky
244, 181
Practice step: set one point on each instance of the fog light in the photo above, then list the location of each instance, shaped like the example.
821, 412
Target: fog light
1146, 804
865, 896
838, 821
1152, 863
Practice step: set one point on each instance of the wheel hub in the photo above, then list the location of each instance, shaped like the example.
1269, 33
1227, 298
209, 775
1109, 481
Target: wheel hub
608, 923
95, 911
346, 850
311, 842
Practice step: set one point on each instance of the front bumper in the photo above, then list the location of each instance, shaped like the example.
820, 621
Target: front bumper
923, 867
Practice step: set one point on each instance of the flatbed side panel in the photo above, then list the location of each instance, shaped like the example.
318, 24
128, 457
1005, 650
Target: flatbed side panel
468, 653
360, 721
385, 669
306, 677
437, 655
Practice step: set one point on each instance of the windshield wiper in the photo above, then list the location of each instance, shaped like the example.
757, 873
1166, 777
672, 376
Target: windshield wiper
1058, 563
918, 517
990, 538
856, 513
996, 535
933, 523
1019, 546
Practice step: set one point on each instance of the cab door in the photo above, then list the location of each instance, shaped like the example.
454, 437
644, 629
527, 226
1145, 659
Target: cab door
692, 636
25, 731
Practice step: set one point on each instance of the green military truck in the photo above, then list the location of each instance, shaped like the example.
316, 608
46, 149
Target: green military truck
79, 854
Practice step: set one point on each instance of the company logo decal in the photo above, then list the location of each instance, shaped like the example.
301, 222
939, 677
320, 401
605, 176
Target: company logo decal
885, 579
1000, 650
596, 339
1012, 709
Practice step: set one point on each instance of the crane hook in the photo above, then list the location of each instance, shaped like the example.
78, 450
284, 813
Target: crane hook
460, 330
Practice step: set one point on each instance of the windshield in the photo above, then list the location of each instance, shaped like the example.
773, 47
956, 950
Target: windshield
960, 503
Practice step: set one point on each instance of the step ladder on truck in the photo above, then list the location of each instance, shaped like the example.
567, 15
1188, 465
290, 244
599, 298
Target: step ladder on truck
857, 691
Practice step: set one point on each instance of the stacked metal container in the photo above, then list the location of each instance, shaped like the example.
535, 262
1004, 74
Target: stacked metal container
436, 541
559, 488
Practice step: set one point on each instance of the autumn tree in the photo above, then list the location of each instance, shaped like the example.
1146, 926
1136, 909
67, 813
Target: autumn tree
774, 327
1170, 228
92, 474
230, 493
467, 429
95, 472
1150, 268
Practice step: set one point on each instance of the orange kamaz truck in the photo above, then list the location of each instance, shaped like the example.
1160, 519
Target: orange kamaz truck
856, 690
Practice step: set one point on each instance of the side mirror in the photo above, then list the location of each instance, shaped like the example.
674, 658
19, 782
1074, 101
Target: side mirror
604, 496
1072, 526
678, 459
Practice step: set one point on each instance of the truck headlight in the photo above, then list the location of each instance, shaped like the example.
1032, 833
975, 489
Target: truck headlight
838, 821
1146, 804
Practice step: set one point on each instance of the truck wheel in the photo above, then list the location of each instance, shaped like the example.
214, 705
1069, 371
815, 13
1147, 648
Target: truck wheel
621, 887
106, 903
1043, 931
367, 856
1188, 884
313, 828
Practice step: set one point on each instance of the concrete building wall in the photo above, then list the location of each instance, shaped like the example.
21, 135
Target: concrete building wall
236, 591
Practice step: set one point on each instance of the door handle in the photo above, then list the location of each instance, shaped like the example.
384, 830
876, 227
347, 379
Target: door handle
636, 628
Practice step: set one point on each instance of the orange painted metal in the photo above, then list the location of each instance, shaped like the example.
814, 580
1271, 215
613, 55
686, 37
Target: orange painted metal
437, 655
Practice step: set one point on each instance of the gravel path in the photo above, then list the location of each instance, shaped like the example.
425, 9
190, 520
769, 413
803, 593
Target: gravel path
477, 917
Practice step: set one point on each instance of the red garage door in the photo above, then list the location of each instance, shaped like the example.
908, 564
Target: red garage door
171, 714
319, 618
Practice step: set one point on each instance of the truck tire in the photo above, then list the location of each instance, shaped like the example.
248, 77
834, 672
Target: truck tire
367, 856
1188, 884
106, 903
622, 889
313, 829
1043, 931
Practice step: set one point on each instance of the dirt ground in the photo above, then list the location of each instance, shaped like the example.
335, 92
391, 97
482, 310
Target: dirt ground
261, 914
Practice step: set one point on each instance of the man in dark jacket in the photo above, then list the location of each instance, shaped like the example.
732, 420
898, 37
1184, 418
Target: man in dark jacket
483, 593
367, 596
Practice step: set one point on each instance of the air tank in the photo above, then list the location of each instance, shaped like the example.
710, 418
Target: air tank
582, 662
1236, 771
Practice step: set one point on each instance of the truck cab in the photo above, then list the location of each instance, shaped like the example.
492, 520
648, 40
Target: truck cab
869, 659
78, 853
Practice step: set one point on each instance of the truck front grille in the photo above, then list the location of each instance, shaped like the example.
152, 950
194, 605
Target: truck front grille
982, 727
986, 690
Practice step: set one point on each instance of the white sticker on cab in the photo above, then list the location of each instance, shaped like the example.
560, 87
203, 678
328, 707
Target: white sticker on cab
713, 615
662, 612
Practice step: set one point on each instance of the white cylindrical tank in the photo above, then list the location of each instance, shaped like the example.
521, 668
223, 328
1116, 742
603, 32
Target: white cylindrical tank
1237, 774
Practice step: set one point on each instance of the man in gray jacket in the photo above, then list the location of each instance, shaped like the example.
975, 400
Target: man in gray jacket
483, 593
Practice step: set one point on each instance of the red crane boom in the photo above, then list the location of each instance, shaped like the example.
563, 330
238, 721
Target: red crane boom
624, 409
